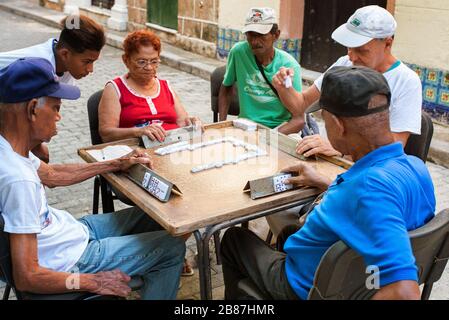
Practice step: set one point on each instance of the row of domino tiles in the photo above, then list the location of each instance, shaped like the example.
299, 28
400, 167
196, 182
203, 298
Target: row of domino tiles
219, 164
253, 151
186, 146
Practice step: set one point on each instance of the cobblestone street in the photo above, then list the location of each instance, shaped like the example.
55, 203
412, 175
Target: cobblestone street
17, 32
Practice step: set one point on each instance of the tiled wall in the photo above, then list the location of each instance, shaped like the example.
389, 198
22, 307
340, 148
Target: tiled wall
228, 37
435, 91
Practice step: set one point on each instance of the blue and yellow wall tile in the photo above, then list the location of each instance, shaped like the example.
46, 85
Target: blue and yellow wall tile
228, 37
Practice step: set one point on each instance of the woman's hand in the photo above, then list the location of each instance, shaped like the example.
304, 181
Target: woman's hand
189, 121
154, 131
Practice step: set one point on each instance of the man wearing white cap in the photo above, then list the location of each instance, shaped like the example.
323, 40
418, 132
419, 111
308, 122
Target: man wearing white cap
252, 64
368, 35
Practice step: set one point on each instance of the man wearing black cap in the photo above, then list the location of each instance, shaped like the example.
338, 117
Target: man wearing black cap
371, 207
48, 244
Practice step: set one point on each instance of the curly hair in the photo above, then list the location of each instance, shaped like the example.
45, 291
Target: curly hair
140, 38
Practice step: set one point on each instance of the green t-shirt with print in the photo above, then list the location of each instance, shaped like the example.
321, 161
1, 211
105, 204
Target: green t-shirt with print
257, 101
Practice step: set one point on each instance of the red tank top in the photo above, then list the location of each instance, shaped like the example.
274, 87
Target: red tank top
138, 110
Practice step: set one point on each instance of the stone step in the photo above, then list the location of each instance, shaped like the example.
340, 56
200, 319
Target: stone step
439, 152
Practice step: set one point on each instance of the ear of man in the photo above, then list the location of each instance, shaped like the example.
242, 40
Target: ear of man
338, 124
31, 107
389, 43
64, 53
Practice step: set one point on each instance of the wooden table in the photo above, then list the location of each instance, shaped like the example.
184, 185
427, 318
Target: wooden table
213, 199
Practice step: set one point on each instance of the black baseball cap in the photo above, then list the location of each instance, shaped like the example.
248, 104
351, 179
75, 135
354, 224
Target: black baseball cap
30, 78
347, 91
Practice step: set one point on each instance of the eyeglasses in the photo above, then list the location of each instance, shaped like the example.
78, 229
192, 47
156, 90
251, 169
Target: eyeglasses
142, 63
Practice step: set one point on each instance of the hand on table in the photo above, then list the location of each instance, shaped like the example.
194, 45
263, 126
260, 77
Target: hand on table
138, 155
307, 176
154, 131
315, 144
189, 121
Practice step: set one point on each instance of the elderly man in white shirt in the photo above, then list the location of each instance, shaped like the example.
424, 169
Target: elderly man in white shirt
369, 36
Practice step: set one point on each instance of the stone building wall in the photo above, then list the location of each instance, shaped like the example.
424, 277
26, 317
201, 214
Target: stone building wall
422, 40
53, 4
137, 14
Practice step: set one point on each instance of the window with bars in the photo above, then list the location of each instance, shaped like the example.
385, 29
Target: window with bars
104, 4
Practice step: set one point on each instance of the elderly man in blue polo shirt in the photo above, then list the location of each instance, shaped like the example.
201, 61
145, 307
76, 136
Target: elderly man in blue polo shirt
371, 207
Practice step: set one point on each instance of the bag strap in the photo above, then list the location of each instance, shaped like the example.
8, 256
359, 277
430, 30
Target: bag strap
265, 77
308, 208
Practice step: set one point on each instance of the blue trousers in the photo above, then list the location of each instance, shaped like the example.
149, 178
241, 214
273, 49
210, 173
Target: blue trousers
131, 241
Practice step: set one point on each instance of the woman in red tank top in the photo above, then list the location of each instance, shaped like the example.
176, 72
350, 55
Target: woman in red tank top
138, 103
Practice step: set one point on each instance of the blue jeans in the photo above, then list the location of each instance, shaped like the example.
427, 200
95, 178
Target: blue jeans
131, 241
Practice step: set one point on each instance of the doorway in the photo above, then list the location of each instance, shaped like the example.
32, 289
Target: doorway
321, 18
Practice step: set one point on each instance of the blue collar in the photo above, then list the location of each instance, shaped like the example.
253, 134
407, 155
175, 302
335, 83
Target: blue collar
394, 66
383, 153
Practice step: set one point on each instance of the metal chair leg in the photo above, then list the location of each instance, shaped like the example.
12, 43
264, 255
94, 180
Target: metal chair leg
215, 116
6, 292
106, 196
269, 237
96, 199
217, 246
426, 291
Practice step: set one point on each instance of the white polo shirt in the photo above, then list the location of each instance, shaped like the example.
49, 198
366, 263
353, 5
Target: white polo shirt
43, 50
406, 96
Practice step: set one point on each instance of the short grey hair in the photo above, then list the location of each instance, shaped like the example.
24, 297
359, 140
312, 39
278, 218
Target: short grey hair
9, 108
16, 107
41, 102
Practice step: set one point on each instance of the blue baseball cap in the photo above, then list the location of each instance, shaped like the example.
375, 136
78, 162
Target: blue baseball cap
30, 78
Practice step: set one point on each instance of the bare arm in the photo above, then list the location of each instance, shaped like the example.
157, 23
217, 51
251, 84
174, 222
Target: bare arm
184, 119
109, 117
293, 126
57, 175
224, 101
179, 108
401, 290
295, 102
29, 276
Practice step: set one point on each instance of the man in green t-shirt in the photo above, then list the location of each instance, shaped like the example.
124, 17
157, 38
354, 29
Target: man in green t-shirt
258, 100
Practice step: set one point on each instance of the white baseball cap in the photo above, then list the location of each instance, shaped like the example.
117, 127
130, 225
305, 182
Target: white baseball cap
260, 20
366, 24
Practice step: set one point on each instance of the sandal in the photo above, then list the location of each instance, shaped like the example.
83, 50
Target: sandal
187, 270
